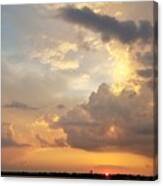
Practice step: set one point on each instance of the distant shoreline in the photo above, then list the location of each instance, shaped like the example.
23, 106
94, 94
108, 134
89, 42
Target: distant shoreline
79, 175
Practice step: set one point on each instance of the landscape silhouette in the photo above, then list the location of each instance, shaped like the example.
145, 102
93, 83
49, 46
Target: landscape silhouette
91, 175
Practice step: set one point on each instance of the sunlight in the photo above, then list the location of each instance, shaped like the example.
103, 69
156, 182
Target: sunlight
56, 118
106, 174
123, 72
114, 132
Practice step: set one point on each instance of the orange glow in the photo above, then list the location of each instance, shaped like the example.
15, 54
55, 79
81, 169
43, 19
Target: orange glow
70, 159
106, 174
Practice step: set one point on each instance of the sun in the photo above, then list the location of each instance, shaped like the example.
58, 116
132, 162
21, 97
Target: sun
106, 174
124, 69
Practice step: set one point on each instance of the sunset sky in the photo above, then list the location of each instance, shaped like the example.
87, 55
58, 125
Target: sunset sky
77, 88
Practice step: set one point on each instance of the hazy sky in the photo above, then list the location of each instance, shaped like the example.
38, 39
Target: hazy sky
77, 87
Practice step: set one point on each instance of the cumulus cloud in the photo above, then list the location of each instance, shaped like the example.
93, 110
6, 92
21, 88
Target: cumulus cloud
19, 105
109, 27
8, 137
44, 136
45, 143
109, 122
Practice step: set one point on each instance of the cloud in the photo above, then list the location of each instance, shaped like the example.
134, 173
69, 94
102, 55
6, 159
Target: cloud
8, 137
57, 57
38, 78
60, 106
19, 105
65, 65
42, 141
87, 40
9, 142
109, 27
111, 123
44, 136
146, 73
60, 142
146, 58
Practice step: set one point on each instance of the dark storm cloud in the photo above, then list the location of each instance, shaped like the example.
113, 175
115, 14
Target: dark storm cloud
88, 125
150, 71
146, 58
146, 73
109, 27
8, 137
19, 105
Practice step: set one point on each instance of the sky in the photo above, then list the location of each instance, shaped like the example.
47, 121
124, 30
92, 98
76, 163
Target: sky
78, 88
